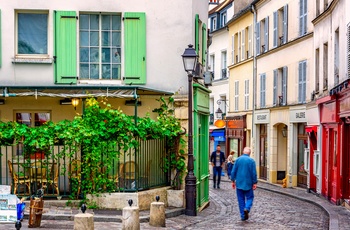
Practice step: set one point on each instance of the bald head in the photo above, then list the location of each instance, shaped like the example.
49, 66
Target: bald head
246, 150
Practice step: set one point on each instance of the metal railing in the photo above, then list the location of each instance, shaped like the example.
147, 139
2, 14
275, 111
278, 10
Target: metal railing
136, 170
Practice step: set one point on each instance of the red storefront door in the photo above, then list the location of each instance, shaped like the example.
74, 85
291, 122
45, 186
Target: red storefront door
346, 162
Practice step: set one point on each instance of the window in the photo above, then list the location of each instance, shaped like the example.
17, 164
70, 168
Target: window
317, 70
317, 7
213, 23
263, 90
100, 46
236, 47
212, 64
32, 34
246, 95
303, 17
325, 66
243, 33
336, 57
223, 19
236, 95
223, 64
280, 86
250, 43
31, 119
302, 82
280, 26
239, 47
265, 35
348, 50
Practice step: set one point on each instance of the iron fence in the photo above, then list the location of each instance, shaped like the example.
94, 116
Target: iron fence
136, 170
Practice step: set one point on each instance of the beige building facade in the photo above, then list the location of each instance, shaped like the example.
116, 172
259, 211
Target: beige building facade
284, 56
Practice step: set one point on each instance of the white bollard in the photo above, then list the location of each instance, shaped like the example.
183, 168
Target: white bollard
84, 221
157, 214
131, 218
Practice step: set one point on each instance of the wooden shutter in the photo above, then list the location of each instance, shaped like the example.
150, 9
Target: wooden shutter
204, 44
284, 85
300, 83
257, 38
275, 29
196, 32
65, 55
246, 96
305, 17
304, 83
134, 48
275, 83
285, 24
233, 49
266, 33
262, 90
249, 41
243, 44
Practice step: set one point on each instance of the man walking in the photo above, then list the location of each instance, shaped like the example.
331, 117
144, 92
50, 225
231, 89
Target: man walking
244, 180
217, 160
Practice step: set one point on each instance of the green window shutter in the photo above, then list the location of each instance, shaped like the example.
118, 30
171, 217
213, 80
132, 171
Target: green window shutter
134, 48
65, 47
0, 43
204, 44
196, 28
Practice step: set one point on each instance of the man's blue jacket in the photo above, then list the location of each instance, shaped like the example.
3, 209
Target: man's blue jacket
244, 172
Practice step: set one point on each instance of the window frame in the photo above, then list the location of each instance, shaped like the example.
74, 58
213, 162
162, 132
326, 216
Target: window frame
36, 56
100, 48
302, 17
302, 72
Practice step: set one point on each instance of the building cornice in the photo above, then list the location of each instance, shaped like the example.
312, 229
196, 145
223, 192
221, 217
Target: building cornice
240, 63
288, 44
326, 12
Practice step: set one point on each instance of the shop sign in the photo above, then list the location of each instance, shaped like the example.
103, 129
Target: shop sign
262, 118
297, 116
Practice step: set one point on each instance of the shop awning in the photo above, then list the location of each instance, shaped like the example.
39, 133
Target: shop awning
218, 133
309, 129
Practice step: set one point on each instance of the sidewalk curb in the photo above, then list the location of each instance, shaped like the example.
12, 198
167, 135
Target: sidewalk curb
109, 218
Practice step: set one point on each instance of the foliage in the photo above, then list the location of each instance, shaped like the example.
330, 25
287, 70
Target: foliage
101, 134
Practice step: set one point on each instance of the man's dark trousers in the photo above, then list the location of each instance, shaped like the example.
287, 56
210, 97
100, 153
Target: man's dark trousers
217, 171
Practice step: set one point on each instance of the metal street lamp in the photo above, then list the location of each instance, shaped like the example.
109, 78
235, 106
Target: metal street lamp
190, 59
218, 113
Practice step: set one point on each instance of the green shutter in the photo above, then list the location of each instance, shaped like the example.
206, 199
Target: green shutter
135, 48
0, 43
204, 44
196, 28
65, 47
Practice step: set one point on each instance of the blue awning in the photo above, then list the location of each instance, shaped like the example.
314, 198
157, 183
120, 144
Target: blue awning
217, 133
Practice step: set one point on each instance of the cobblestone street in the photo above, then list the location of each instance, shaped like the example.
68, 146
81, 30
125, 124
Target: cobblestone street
270, 211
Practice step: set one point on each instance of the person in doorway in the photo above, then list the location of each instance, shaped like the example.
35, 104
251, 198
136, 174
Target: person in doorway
230, 163
244, 180
217, 160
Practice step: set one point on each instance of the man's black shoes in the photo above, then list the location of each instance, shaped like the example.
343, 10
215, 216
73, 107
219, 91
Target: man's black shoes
246, 214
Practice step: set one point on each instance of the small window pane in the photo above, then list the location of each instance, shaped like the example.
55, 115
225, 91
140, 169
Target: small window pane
84, 22
24, 118
94, 70
32, 33
116, 39
84, 54
106, 55
115, 71
84, 71
106, 22
116, 55
41, 118
106, 71
94, 39
94, 22
106, 39
84, 38
94, 55
116, 22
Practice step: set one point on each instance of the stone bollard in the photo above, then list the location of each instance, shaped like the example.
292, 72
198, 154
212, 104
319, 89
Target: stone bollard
131, 217
157, 214
84, 221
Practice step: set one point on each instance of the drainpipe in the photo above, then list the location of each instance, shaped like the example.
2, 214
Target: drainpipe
254, 75
136, 101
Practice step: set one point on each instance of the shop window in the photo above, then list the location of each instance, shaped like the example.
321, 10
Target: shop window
316, 163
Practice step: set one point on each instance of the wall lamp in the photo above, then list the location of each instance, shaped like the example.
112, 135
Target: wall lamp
285, 131
219, 112
73, 101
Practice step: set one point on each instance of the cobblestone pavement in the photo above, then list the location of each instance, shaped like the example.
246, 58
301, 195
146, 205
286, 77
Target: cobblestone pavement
271, 210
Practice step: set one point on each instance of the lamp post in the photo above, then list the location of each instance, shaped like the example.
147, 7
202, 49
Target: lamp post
190, 58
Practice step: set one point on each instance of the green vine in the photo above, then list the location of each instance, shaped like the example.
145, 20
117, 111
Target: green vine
101, 134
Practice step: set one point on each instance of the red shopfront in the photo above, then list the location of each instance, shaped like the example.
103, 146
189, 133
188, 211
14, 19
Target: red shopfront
335, 119
236, 134
329, 108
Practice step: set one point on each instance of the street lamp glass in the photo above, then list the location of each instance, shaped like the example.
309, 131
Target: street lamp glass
219, 113
75, 102
190, 58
